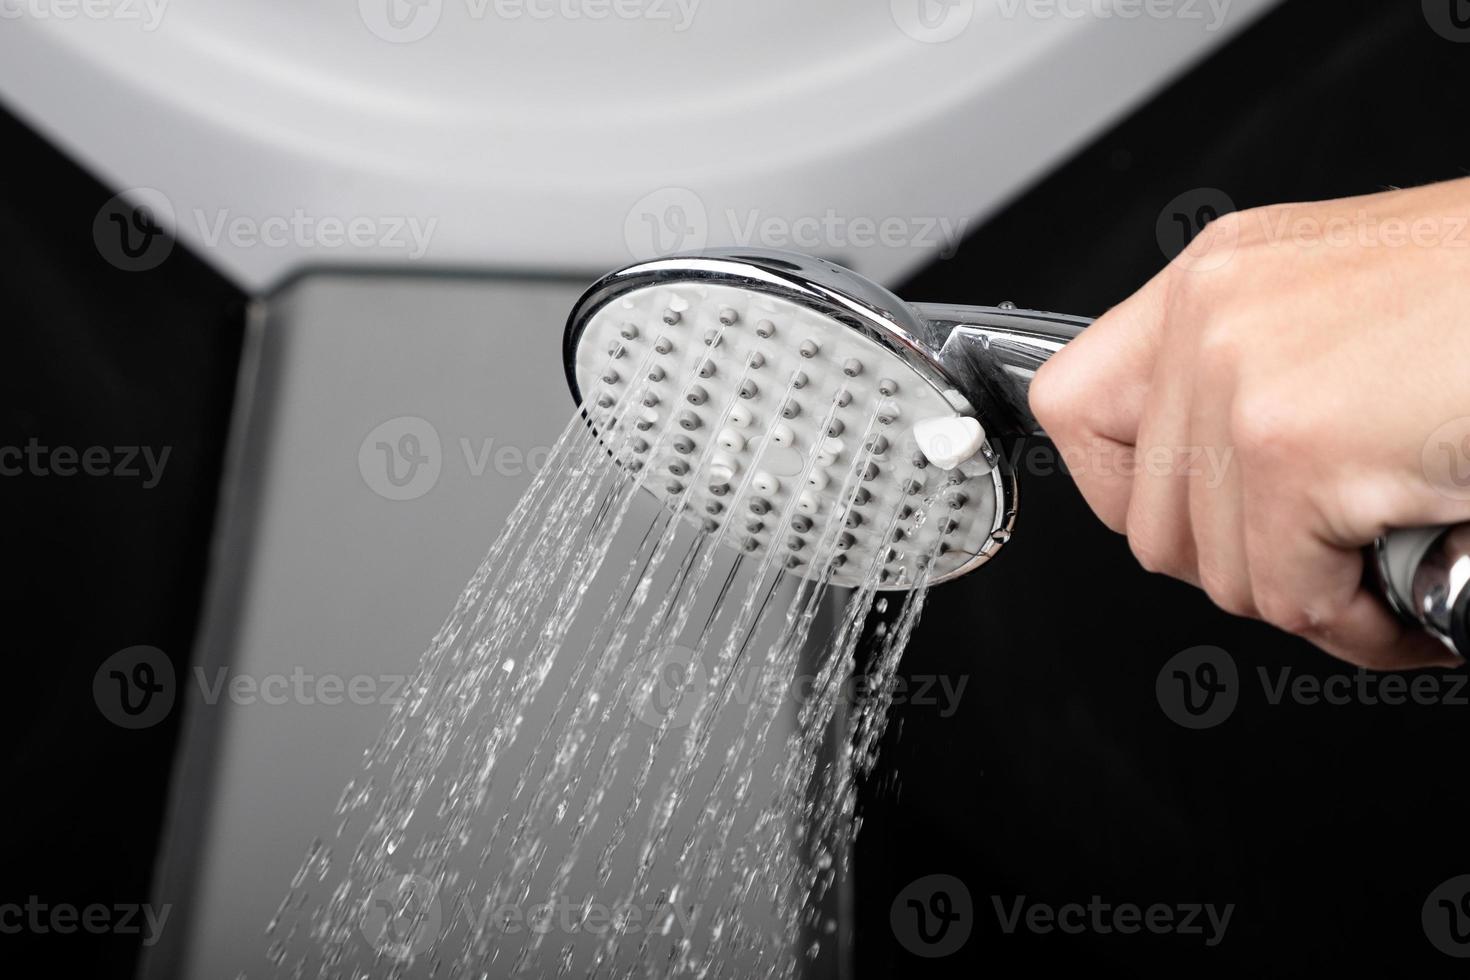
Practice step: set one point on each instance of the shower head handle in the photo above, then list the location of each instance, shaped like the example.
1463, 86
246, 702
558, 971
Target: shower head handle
1425, 573
995, 351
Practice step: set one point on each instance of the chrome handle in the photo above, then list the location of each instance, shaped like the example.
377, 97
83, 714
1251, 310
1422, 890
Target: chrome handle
995, 351
1425, 573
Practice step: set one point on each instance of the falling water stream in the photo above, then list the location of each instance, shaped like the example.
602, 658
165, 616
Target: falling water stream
631, 749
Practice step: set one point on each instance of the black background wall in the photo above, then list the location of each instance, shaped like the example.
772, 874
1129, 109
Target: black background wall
1058, 778
95, 357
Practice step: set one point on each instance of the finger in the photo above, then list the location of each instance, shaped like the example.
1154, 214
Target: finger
1308, 585
1216, 504
1089, 398
1103, 469
1097, 384
1158, 523
1369, 635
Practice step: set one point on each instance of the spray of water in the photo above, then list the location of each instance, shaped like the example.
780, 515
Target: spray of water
636, 785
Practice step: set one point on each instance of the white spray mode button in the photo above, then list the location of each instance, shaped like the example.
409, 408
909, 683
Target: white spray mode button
948, 442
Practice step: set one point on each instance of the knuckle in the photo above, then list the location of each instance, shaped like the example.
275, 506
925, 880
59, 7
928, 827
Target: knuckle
1377, 660
1321, 615
1283, 611
1113, 521
1147, 549
1226, 590
1219, 239
1242, 229
1200, 291
1220, 344
1056, 403
1327, 613
1229, 225
1264, 427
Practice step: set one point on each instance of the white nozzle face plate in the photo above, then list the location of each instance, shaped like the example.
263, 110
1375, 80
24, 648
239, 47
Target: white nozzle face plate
783, 429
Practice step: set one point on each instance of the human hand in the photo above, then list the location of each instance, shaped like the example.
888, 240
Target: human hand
1258, 413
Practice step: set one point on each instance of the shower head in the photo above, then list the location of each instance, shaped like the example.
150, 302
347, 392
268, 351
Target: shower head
782, 375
